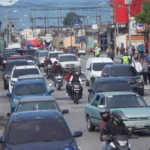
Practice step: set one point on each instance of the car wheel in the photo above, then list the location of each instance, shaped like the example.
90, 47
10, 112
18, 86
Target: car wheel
90, 126
87, 83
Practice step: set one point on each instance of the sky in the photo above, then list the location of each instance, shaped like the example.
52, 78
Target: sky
24, 8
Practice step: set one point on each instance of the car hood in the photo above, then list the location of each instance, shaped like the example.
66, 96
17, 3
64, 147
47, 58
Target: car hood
135, 112
96, 73
57, 145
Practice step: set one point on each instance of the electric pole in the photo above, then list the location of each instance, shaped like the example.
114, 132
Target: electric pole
129, 26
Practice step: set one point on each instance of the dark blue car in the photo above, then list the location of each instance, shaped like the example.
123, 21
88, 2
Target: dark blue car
26, 88
108, 85
126, 72
38, 130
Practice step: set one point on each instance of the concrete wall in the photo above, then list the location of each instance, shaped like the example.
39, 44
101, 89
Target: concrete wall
69, 40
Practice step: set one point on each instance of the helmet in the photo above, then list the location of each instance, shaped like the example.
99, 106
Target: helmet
55, 62
118, 116
77, 74
105, 111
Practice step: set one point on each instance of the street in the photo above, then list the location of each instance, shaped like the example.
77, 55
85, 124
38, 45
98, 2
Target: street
75, 118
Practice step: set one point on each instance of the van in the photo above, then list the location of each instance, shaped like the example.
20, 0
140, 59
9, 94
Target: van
94, 67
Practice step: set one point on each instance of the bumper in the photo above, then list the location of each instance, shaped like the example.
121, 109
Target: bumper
138, 125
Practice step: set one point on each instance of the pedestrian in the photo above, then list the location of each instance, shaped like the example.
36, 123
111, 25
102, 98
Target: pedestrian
145, 70
141, 49
97, 52
111, 54
149, 71
136, 64
146, 57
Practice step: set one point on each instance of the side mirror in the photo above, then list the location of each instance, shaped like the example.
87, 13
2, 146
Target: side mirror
79, 59
9, 94
51, 91
65, 111
7, 77
77, 134
88, 69
2, 140
8, 114
90, 90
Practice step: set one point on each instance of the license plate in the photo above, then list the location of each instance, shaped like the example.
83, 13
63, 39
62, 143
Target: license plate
139, 126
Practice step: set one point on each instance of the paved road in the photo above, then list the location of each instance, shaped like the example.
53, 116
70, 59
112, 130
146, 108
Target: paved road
76, 120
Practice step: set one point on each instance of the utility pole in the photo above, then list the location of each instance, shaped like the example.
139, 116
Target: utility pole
6, 28
129, 26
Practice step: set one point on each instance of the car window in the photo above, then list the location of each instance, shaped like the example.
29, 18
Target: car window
29, 57
39, 130
102, 100
30, 89
6, 55
99, 66
43, 54
43, 105
125, 101
54, 55
123, 71
28, 71
105, 70
67, 58
95, 101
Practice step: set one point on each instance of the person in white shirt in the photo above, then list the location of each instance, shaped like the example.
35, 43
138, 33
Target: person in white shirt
136, 64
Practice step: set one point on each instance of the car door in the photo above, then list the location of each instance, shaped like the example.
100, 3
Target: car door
95, 109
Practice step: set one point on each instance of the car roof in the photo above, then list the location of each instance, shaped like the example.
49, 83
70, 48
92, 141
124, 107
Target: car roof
118, 65
55, 52
35, 115
67, 55
100, 59
116, 93
37, 99
25, 67
16, 57
16, 60
31, 76
43, 51
29, 82
113, 79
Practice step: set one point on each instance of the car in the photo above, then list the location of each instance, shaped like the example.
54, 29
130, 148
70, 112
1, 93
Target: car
131, 104
21, 70
31, 52
40, 57
27, 88
127, 72
69, 61
30, 59
6, 55
15, 57
38, 130
108, 85
38, 103
94, 67
9, 66
81, 51
53, 55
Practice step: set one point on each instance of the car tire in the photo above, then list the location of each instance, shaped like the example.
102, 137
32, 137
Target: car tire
87, 83
90, 126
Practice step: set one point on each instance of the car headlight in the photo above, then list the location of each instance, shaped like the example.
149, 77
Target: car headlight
12, 83
139, 80
16, 101
122, 143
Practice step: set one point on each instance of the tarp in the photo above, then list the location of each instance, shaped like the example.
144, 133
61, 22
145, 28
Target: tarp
35, 43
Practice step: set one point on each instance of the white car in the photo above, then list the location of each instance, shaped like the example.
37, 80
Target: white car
20, 71
81, 51
94, 67
53, 55
69, 61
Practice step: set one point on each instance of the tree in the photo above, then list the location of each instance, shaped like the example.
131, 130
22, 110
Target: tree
69, 19
144, 16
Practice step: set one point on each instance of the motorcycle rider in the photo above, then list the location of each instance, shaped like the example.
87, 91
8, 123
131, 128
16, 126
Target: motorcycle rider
57, 70
47, 62
67, 79
114, 127
106, 117
75, 79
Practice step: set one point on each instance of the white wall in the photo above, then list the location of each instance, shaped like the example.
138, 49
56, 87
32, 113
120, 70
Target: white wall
121, 39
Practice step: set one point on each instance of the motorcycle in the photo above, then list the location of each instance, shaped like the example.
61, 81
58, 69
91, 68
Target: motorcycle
58, 79
76, 93
120, 142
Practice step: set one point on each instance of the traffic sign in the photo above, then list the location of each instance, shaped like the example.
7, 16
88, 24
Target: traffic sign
77, 21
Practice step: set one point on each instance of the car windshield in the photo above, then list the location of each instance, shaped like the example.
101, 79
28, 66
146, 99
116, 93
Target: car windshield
29, 57
53, 55
31, 52
6, 55
67, 58
99, 66
125, 101
43, 105
123, 71
38, 130
21, 72
29, 89
10, 65
43, 54
112, 86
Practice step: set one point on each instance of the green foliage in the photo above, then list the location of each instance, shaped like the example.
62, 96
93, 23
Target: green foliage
69, 19
144, 16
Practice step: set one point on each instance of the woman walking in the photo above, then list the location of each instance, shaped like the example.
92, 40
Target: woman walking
145, 71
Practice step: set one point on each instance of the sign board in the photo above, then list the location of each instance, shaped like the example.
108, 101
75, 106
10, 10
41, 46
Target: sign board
128, 2
94, 27
77, 21
81, 33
